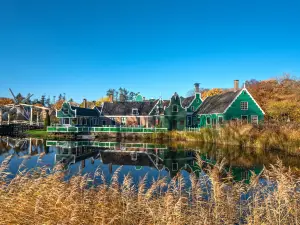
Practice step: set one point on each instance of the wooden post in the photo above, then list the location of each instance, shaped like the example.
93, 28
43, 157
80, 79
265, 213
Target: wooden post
31, 115
0, 116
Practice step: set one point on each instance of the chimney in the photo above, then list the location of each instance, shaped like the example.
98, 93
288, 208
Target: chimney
197, 89
84, 103
111, 98
236, 85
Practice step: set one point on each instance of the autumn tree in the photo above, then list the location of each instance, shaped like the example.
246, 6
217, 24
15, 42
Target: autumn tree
212, 92
101, 100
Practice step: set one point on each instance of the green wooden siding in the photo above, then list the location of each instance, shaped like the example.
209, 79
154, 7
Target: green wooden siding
195, 103
235, 112
175, 120
66, 111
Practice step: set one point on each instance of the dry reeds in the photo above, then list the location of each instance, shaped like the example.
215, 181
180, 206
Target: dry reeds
267, 137
37, 197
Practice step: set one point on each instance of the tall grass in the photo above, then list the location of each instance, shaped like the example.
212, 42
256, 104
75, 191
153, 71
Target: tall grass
268, 137
37, 197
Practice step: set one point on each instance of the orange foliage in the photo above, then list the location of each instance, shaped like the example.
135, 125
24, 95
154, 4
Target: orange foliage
58, 104
5, 101
211, 92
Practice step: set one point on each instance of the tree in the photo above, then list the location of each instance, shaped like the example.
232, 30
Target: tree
212, 92
47, 121
5, 101
101, 100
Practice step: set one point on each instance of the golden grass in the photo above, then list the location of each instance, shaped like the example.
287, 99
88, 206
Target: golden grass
37, 197
268, 137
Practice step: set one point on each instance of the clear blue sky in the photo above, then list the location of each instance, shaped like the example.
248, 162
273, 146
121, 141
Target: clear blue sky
83, 48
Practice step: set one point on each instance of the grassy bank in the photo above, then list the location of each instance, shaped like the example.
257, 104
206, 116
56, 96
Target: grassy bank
268, 137
37, 198
37, 133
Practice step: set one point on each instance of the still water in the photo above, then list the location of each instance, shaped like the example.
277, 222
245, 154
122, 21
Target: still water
138, 159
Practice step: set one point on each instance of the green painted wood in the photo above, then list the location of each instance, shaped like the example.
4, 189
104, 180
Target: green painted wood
174, 120
195, 103
235, 112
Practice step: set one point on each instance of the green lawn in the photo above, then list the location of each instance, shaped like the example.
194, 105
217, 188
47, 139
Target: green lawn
37, 133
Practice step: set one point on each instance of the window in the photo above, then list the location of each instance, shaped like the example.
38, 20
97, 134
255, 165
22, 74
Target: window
123, 120
189, 121
113, 122
207, 120
245, 119
135, 112
254, 119
244, 105
84, 121
103, 122
197, 100
220, 120
174, 166
192, 108
66, 121
175, 108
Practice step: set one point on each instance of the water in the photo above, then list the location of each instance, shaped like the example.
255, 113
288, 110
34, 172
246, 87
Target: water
138, 159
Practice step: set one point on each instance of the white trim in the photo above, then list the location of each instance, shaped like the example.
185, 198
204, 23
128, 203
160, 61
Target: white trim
241, 91
247, 104
252, 119
136, 109
155, 105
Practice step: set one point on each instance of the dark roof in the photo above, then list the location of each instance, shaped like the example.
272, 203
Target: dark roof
166, 103
187, 101
85, 111
217, 103
125, 108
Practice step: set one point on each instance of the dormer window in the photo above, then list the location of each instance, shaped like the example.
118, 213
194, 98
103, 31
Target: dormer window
174, 108
135, 112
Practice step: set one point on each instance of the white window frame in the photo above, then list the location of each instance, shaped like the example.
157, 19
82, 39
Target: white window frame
242, 107
123, 120
136, 110
64, 121
256, 119
173, 108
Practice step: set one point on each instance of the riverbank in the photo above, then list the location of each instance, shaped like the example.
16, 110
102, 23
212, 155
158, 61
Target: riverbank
267, 137
37, 198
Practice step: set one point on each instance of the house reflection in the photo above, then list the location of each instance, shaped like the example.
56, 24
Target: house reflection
138, 155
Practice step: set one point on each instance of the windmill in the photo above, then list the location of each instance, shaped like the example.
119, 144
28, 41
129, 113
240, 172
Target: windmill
18, 108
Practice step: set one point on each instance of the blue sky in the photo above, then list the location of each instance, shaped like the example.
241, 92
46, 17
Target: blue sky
83, 48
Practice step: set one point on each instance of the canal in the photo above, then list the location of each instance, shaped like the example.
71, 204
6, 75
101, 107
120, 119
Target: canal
138, 159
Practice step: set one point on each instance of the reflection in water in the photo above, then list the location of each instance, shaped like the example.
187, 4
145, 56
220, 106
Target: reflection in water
137, 158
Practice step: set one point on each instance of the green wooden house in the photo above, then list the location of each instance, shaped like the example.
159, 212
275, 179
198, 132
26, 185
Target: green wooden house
174, 114
76, 116
236, 105
191, 104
